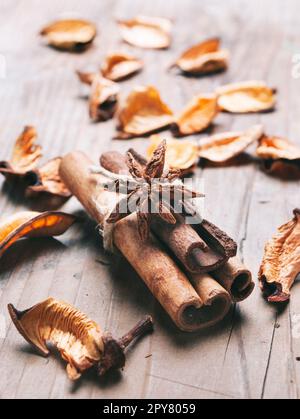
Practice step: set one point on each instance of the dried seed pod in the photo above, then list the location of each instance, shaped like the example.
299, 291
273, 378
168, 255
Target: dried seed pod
144, 112
25, 156
33, 224
71, 34
146, 32
281, 261
197, 116
119, 66
79, 340
103, 99
220, 148
203, 58
246, 97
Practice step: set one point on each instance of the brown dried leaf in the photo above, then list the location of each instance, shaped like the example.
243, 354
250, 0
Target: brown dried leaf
246, 97
47, 180
281, 261
179, 155
204, 58
220, 148
103, 100
197, 116
143, 113
71, 34
146, 32
25, 156
78, 339
33, 224
119, 66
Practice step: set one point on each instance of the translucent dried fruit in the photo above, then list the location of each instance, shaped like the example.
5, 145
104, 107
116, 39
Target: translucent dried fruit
79, 340
246, 97
47, 180
144, 112
281, 261
220, 148
146, 32
103, 99
197, 116
179, 155
120, 66
70, 34
33, 224
25, 156
203, 58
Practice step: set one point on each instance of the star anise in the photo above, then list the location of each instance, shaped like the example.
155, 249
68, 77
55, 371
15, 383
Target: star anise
151, 191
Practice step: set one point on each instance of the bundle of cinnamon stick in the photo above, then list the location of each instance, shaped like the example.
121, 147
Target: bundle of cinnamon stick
192, 270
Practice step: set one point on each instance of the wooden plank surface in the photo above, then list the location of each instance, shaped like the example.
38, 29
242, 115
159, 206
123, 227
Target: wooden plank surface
252, 354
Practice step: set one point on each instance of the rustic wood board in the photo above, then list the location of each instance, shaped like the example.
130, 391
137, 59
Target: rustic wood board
252, 354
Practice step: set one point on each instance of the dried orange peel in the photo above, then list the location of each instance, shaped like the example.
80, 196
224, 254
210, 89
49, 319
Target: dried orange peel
119, 66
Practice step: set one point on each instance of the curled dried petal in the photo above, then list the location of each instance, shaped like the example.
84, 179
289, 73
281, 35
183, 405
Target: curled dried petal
103, 99
246, 97
281, 261
204, 58
223, 147
146, 32
33, 224
119, 66
86, 78
197, 116
71, 34
143, 113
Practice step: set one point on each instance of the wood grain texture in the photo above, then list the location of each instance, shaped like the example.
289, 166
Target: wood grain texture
252, 354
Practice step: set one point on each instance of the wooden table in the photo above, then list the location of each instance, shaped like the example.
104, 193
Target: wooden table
250, 355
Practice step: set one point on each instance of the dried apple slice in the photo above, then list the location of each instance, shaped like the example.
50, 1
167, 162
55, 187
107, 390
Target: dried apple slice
181, 155
220, 148
144, 112
119, 66
246, 97
203, 58
25, 156
146, 32
197, 116
70, 34
47, 180
33, 224
281, 261
80, 341
103, 99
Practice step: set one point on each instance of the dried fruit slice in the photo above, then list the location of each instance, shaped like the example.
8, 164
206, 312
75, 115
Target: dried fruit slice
204, 58
281, 261
179, 155
220, 148
144, 112
25, 156
197, 116
146, 32
33, 224
70, 34
103, 99
246, 97
119, 66
47, 180
79, 340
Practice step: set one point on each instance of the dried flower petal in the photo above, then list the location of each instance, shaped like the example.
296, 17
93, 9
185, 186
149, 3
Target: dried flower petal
86, 78
197, 116
70, 34
143, 113
204, 58
25, 156
119, 66
146, 32
246, 97
220, 148
47, 179
179, 155
33, 224
281, 261
103, 99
